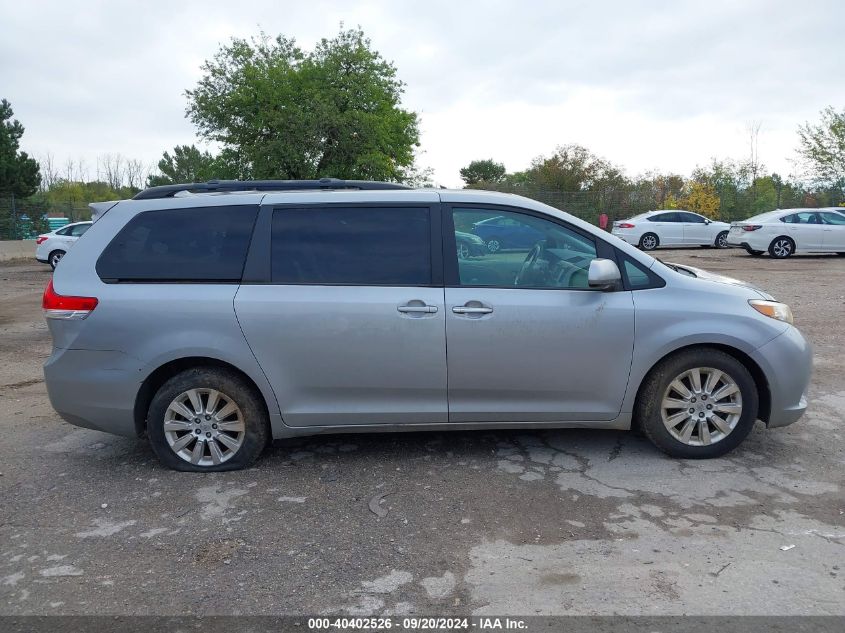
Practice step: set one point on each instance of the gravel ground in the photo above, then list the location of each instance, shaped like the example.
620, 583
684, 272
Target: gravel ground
519, 522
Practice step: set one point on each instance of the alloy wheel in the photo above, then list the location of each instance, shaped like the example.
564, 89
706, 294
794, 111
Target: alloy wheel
204, 427
493, 245
55, 258
782, 248
701, 406
722, 240
649, 242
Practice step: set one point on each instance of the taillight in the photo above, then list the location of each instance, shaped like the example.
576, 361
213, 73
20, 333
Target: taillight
58, 306
626, 225
751, 227
41, 238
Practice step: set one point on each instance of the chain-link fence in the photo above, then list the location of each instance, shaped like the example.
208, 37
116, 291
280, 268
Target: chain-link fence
24, 218
620, 204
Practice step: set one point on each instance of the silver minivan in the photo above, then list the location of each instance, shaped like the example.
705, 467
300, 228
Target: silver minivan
214, 317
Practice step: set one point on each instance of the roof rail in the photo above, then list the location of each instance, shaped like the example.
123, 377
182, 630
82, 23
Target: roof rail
212, 186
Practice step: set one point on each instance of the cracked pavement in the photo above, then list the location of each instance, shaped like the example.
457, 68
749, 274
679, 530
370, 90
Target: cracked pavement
517, 522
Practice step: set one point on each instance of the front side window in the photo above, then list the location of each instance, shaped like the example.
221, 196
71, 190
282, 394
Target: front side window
833, 218
692, 218
352, 246
522, 251
200, 244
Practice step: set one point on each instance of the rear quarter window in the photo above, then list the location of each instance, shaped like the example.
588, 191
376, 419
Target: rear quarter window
200, 244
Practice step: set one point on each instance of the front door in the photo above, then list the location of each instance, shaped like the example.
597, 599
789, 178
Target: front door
350, 326
528, 340
833, 231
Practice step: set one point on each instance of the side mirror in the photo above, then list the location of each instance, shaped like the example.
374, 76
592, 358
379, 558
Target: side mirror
707, 221
604, 275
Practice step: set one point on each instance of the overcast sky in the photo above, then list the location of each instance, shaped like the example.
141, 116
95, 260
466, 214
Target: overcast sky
649, 85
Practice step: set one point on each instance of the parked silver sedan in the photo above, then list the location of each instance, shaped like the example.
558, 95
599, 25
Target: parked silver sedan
213, 323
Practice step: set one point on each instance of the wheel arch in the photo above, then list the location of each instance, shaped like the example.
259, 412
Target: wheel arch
153, 382
783, 237
763, 391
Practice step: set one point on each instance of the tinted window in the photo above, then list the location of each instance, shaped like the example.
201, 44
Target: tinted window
359, 246
199, 244
64, 231
691, 217
665, 217
523, 251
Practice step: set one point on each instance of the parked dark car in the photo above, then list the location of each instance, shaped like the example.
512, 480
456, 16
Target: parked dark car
469, 245
503, 232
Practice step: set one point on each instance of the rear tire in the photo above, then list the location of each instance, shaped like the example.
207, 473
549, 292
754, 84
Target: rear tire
665, 425
195, 444
721, 240
55, 257
649, 242
781, 247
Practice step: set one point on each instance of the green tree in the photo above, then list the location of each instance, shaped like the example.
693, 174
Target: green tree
19, 174
822, 147
282, 112
483, 171
574, 168
188, 164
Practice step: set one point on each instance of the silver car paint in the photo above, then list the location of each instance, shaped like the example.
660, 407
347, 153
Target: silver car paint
99, 364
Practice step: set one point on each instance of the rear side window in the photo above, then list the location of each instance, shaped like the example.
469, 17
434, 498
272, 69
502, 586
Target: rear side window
355, 246
665, 217
79, 229
200, 244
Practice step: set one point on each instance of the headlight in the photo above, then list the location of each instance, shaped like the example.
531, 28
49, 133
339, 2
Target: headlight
773, 309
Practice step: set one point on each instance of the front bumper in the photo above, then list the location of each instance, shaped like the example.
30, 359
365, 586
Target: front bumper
94, 389
787, 362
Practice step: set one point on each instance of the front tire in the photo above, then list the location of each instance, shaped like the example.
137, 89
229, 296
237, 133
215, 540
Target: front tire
649, 242
721, 240
55, 257
781, 247
494, 245
207, 419
697, 404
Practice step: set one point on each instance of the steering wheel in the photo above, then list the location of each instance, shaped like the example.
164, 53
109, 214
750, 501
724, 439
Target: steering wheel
530, 260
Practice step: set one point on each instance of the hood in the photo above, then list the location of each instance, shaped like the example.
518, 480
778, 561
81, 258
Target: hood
721, 279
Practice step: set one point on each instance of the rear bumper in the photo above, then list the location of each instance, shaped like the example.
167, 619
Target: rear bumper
94, 389
787, 361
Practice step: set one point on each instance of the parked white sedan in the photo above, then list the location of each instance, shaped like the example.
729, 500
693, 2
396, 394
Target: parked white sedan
51, 247
784, 232
671, 228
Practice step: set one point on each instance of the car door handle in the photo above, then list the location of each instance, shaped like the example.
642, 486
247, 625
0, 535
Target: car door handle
471, 310
416, 309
